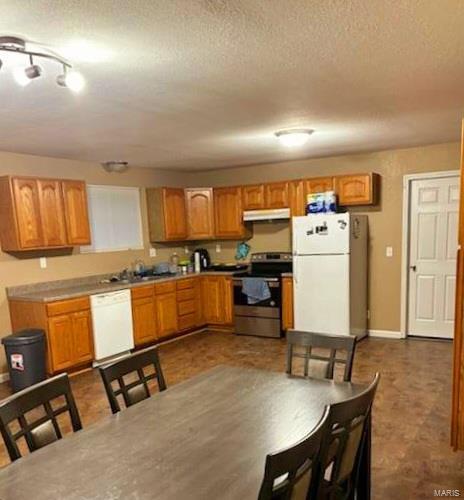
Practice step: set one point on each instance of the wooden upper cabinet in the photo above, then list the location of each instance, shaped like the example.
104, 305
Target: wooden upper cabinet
200, 213
42, 213
253, 197
296, 198
319, 185
76, 212
228, 213
52, 213
276, 195
167, 218
359, 189
27, 207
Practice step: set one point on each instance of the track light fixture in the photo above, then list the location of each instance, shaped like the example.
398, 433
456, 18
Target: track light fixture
23, 76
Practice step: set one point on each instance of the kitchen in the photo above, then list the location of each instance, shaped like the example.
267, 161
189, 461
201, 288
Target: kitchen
71, 311
189, 144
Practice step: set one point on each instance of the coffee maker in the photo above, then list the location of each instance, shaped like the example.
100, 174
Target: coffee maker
205, 260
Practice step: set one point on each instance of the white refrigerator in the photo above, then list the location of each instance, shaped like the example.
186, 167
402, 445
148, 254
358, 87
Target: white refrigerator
330, 273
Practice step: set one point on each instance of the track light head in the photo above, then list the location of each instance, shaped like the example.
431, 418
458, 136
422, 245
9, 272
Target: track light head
33, 71
71, 79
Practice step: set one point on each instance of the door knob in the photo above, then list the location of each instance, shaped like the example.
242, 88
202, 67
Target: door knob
413, 268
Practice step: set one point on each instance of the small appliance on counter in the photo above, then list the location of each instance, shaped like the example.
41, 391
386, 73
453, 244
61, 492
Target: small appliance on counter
201, 256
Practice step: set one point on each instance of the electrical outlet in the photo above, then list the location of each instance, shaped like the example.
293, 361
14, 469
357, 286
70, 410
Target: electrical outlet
186, 249
218, 248
389, 251
43, 262
152, 252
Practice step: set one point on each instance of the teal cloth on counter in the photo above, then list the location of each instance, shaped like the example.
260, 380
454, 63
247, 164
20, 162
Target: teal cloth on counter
256, 290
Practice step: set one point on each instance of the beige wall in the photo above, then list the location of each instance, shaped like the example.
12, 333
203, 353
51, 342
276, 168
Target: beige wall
17, 271
384, 221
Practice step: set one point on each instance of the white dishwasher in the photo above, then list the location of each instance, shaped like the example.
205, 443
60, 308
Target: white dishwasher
112, 325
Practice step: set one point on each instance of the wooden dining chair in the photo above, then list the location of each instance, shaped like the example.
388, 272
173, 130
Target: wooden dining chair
35, 410
291, 474
320, 364
134, 365
340, 457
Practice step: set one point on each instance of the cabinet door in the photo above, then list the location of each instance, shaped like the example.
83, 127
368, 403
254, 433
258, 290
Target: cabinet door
253, 197
200, 214
287, 303
211, 299
52, 213
26, 195
144, 320
82, 337
166, 314
60, 338
355, 189
228, 212
297, 199
227, 298
76, 212
319, 185
276, 195
175, 224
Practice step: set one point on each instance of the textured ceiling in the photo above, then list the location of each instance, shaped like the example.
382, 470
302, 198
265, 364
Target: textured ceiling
200, 84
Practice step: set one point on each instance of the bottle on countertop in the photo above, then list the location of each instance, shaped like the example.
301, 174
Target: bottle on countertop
174, 267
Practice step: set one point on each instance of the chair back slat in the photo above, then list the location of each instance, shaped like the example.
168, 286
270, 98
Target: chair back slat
292, 473
135, 391
41, 430
342, 444
308, 341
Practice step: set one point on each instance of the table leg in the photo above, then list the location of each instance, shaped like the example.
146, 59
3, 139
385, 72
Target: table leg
364, 475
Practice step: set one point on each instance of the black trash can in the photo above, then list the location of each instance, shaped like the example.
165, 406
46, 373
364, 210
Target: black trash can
25, 354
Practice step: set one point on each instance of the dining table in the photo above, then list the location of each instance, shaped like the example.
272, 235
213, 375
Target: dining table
204, 438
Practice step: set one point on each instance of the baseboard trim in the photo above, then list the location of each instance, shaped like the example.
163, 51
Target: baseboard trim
385, 334
4, 377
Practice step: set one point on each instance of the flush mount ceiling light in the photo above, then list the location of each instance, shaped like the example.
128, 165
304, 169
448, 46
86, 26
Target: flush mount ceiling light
294, 137
115, 166
24, 75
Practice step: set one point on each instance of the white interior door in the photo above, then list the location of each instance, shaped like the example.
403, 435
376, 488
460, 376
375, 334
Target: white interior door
432, 256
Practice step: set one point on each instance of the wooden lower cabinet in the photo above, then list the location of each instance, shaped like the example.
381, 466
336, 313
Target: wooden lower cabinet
144, 315
287, 303
70, 342
217, 300
166, 314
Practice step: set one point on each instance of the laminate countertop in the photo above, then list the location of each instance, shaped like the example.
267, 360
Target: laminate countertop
78, 288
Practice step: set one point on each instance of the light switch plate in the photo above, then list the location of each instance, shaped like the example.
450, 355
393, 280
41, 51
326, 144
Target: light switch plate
43, 262
389, 251
186, 249
152, 252
218, 248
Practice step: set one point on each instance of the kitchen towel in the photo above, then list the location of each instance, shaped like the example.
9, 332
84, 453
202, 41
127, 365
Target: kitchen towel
256, 290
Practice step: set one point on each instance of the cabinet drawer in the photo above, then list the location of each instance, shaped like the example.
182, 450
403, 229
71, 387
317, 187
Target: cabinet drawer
68, 306
187, 321
168, 287
186, 307
142, 292
185, 284
186, 294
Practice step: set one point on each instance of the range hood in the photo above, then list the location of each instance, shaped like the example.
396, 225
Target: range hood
271, 214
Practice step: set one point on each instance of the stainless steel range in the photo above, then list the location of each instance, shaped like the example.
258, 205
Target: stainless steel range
261, 317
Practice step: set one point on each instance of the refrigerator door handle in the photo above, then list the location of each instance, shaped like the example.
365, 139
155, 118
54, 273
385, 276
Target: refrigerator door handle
295, 269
